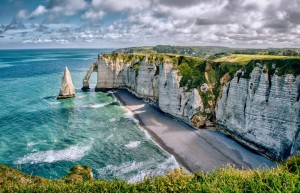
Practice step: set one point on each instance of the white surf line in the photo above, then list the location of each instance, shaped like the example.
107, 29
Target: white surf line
148, 135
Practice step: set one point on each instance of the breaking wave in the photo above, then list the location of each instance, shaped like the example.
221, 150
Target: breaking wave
73, 153
132, 144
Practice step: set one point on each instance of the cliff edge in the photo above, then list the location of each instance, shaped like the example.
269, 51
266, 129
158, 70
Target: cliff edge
255, 101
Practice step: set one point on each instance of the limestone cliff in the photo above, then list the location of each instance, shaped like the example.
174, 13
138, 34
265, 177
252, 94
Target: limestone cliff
263, 112
156, 80
67, 89
252, 103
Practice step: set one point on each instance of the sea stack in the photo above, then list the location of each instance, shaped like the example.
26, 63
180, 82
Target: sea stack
67, 89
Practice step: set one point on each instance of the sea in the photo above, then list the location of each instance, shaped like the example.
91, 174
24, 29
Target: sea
43, 136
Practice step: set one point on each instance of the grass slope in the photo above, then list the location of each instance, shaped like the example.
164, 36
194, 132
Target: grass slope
284, 178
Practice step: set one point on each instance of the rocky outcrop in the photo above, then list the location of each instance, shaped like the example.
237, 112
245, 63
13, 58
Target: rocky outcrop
157, 81
85, 82
262, 112
67, 89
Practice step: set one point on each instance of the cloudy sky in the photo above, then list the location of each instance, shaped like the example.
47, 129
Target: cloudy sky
123, 23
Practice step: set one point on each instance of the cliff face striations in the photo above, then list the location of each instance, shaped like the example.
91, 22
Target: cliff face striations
155, 80
251, 103
263, 112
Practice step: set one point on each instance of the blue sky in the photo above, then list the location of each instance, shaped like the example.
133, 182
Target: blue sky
118, 23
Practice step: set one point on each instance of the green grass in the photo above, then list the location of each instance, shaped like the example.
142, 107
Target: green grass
244, 59
284, 178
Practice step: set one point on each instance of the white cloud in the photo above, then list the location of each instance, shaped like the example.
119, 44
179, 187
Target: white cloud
69, 7
117, 5
96, 15
193, 22
22, 14
40, 10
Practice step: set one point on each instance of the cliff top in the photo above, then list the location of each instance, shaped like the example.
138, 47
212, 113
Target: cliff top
215, 72
230, 62
244, 59
209, 51
284, 178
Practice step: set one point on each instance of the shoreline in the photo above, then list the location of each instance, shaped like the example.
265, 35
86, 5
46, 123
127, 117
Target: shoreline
195, 150
154, 135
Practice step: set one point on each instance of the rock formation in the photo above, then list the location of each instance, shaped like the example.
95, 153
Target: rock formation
67, 89
260, 110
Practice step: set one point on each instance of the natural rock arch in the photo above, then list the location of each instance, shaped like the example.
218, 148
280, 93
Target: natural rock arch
85, 82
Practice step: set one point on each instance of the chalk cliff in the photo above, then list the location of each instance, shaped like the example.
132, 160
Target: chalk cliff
67, 89
263, 112
260, 109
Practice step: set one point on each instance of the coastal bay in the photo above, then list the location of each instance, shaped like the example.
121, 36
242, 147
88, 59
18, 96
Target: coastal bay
196, 150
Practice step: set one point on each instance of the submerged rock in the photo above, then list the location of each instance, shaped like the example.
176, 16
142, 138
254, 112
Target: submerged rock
67, 89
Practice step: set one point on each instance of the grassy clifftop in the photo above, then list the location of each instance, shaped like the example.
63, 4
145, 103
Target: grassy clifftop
208, 51
215, 72
284, 178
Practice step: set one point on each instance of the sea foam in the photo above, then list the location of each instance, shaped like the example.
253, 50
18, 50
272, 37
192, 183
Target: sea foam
132, 144
96, 106
130, 115
73, 153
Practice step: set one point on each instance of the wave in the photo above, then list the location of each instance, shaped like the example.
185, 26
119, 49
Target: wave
109, 137
139, 168
112, 120
95, 106
132, 144
162, 168
30, 144
6, 65
36, 60
79, 97
122, 169
130, 115
73, 153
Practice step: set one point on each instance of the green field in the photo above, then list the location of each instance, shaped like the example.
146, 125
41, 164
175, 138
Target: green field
244, 59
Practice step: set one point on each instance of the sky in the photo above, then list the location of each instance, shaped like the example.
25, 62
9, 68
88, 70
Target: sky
125, 23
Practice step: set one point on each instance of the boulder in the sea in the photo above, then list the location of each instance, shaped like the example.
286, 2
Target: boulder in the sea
67, 89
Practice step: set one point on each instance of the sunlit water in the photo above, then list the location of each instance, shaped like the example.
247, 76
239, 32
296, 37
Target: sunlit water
44, 136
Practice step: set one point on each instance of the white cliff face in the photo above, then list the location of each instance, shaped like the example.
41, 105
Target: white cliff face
146, 80
110, 74
67, 89
193, 105
158, 82
263, 112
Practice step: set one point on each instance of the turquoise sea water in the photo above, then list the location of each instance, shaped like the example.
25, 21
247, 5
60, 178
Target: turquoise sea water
44, 136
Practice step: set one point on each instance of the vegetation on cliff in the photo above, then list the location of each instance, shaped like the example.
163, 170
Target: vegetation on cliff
215, 72
284, 178
210, 52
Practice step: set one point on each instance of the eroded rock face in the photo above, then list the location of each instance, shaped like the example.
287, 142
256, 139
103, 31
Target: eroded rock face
67, 89
156, 81
263, 112
85, 82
